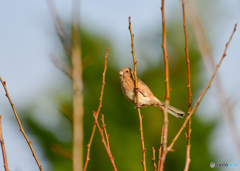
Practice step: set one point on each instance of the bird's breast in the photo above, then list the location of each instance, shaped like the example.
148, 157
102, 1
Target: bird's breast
128, 90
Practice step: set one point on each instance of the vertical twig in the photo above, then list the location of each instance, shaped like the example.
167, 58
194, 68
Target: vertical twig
153, 159
20, 125
165, 128
105, 131
97, 113
160, 150
188, 147
106, 144
136, 92
77, 84
203, 93
3, 147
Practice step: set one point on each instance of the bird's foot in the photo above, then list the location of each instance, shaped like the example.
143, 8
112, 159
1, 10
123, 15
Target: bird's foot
140, 106
136, 89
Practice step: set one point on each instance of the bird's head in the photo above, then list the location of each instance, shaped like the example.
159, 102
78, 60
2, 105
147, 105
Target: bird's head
126, 73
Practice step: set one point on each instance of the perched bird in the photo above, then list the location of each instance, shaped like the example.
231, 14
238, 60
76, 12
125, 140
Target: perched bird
146, 97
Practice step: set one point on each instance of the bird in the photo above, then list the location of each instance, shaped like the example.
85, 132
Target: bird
146, 97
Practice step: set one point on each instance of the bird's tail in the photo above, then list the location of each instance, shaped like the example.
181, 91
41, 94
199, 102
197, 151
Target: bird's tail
174, 111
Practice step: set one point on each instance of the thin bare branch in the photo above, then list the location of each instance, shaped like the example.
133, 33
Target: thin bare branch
203, 93
66, 68
20, 125
189, 90
165, 113
106, 144
97, 113
66, 42
160, 150
105, 131
60, 64
3, 147
136, 92
153, 159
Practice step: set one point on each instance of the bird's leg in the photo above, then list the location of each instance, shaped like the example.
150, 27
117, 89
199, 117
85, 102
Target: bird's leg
136, 89
137, 107
140, 105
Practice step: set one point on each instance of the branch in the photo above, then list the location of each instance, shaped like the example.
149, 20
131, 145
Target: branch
189, 91
106, 144
136, 93
105, 131
77, 86
65, 68
97, 113
60, 64
66, 42
160, 151
153, 159
165, 114
203, 93
3, 147
20, 125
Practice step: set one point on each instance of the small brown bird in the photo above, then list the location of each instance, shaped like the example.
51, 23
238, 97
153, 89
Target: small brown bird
146, 97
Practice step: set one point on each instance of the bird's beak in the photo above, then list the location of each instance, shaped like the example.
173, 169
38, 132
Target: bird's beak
120, 73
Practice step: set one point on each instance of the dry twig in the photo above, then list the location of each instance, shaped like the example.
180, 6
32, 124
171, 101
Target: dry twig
165, 114
105, 131
189, 90
97, 113
3, 147
103, 135
60, 64
66, 42
153, 159
160, 150
20, 125
202, 94
136, 92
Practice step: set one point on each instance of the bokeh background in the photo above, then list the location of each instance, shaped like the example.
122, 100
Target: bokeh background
42, 93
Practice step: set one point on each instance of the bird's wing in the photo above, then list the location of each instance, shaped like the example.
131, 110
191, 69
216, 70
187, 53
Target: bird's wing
143, 88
